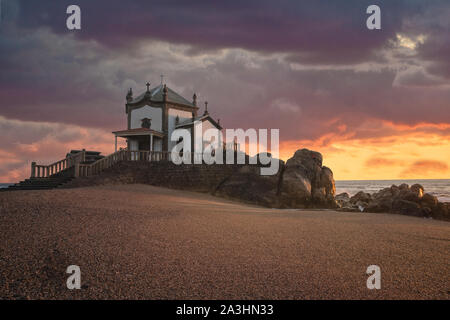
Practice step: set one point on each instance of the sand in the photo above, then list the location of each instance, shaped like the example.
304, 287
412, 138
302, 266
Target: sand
144, 242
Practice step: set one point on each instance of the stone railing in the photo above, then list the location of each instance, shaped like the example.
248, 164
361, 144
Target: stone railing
82, 169
85, 170
45, 171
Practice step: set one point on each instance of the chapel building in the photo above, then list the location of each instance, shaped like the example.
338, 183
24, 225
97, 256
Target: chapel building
156, 113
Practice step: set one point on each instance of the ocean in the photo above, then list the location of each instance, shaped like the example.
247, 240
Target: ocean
439, 188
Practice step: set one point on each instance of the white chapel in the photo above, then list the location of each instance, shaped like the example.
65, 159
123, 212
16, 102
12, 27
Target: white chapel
155, 114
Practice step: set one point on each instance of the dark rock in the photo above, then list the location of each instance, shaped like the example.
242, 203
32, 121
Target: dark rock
403, 199
295, 188
417, 189
429, 200
406, 207
248, 185
441, 211
395, 190
361, 196
344, 196
403, 186
343, 202
426, 212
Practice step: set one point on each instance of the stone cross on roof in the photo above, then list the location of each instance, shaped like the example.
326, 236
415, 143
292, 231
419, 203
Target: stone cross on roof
148, 87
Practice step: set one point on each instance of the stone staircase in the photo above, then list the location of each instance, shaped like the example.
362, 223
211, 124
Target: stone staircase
56, 174
43, 183
82, 164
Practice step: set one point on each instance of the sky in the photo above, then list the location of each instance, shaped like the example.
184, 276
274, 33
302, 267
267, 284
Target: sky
375, 103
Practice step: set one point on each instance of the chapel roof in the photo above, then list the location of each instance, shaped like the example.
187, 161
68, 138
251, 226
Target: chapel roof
156, 94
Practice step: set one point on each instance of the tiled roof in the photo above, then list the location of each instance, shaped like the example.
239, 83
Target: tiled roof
157, 95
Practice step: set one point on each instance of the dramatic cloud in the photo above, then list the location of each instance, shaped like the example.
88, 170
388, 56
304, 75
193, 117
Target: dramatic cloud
317, 31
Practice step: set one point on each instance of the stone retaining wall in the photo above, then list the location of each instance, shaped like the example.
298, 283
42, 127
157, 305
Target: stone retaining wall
203, 178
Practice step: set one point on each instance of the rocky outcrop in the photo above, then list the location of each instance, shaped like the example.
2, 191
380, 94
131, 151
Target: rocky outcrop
412, 201
306, 183
300, 183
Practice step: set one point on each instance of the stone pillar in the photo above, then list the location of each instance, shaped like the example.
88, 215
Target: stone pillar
115, 144
77, 170
33, 169
151, 157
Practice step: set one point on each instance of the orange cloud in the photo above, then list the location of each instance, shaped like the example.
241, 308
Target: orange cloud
426, 167
376, 150
382, 162
26, 141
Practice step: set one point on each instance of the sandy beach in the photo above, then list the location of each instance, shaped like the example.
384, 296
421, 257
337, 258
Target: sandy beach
144, 242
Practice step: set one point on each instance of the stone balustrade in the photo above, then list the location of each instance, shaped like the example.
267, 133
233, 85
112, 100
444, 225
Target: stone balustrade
84, 169
45, 171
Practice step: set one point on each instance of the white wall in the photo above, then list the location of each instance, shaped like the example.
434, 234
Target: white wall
183, 116
147, 112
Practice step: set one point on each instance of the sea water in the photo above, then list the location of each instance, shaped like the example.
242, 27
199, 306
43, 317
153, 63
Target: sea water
439, 188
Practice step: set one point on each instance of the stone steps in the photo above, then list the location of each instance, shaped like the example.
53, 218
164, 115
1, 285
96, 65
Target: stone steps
51, 182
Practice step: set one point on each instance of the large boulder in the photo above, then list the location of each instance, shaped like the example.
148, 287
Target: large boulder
306, 183
300, 183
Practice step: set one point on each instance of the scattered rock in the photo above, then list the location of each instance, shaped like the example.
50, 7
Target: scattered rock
412, 201
343, 199
344, 196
